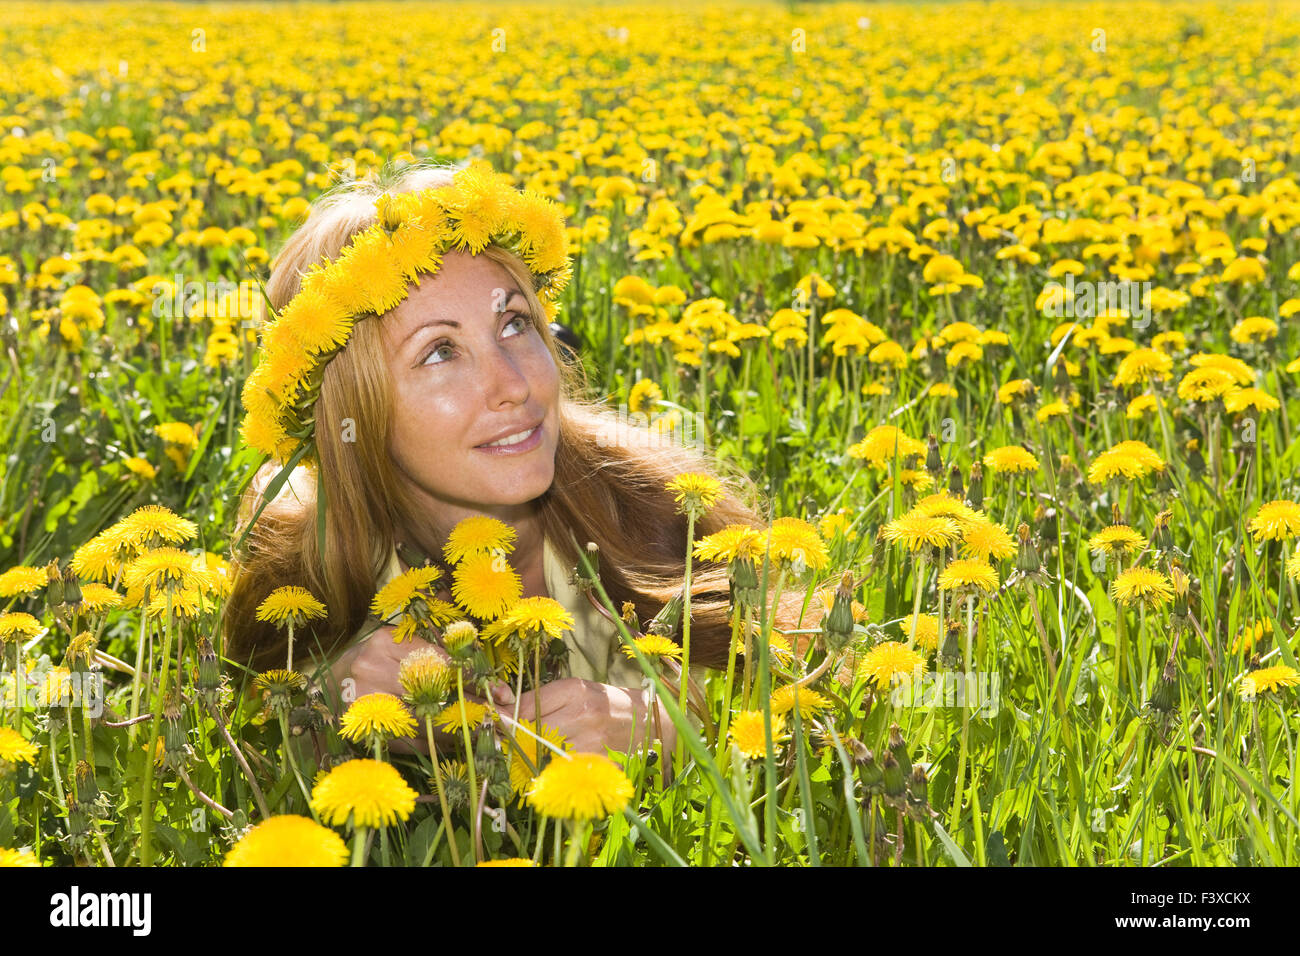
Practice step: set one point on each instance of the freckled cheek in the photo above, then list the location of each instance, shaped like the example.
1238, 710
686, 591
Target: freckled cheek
422, 414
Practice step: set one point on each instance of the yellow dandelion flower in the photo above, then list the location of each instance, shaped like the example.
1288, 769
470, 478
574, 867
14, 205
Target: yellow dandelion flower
164, 569
969, 574
1276, 521
1241, 399
732, 542
22, 580
99, 558
880, 446
695, 493
513, 861
396, 596
747, 733
290, 605
643, 396
655, 646
531, 617
96, 598
485, 585
891, 659
448, 719
986, 540
916, 531
1241, 373
18, 626
1142, 586
478, 534
927, 630
1117, 539
795, 544
1011, 460
941, 504
1052, 410
288, 840
810, 702
584, 786
524, 743
366, 792
1268, 680
1128, 459
153, 526
1248, 637
377, 715
1205, 384
15, 748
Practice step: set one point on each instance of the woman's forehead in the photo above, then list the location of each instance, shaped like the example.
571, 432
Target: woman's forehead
468, 288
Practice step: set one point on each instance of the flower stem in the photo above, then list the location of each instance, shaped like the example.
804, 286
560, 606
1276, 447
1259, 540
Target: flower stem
442, 796
146, 803
469, 760
686, 631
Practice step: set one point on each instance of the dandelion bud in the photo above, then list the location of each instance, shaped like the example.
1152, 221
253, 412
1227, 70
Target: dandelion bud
870, 774
426, 677
666, 621
950, 649
87, 787
174, 731
1160, 535
1181, 582
898, 748
459, 636
1164, 697
630, 619
54, 594
917, 786
1027, 561
744, 581
895, 782
209, 670
388, 212
81, 652
954, 483
72, 592
1046, 519
1195, 460
975, 493
837, 629
78, 821
304, 718
933, 460
879, 550
582, 577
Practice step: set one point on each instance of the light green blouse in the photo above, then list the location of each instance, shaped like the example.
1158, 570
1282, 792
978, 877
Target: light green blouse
593, 644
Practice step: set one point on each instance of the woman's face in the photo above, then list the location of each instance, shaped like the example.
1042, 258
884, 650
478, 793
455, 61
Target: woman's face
469, 368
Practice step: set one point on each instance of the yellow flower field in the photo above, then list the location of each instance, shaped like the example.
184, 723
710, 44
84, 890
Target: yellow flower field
995, 305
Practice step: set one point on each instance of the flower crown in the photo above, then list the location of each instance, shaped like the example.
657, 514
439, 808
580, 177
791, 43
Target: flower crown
372, 275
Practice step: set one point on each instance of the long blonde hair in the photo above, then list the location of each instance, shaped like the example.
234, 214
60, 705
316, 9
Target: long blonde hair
609, 484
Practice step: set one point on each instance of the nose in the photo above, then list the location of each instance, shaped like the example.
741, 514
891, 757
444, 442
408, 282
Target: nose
505, 381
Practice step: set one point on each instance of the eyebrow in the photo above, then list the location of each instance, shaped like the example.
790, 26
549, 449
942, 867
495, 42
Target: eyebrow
514, 293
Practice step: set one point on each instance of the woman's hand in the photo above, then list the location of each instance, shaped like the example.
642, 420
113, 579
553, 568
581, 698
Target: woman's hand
591, 716
372, 667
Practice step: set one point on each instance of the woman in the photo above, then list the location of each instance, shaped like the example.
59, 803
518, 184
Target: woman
450, 399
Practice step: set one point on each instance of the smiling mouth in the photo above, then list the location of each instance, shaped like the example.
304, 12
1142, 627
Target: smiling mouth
510, 441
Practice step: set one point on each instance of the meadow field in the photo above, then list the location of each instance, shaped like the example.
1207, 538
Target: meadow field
996, 302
